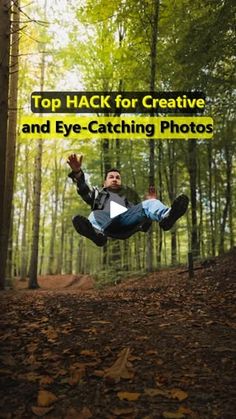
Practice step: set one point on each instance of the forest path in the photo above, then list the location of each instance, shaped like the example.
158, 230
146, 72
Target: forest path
160, 346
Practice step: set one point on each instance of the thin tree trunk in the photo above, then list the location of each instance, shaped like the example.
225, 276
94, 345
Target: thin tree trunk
42, 250
216, 201
24, 246
9, 264
160, 187
33, 283
12, 122
18, 217
209, 155
125, 264
228, 157
192, 145
60, 260
51, 261
153, 67
71, 248
201, 232
5, 26
171, 180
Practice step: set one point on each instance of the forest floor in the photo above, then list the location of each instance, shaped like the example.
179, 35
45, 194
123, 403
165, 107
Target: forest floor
160, 346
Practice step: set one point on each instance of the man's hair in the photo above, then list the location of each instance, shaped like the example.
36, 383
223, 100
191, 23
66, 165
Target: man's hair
114, 169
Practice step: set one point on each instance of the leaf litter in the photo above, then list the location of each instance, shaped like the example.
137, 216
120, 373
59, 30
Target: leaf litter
156, 346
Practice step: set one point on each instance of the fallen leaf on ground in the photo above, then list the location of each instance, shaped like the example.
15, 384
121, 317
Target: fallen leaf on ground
61, 371
6, 336
41, 411
122, 411
179, 394
32, 347
76, 377
134, 358
32, 376
72, 413
46, 398
51, 333
88, 352
32, 361
173, 415
93, 331
122, 368
45, 379
151, 352
185, 410
77, 366
125, 395
156, 392
98, 373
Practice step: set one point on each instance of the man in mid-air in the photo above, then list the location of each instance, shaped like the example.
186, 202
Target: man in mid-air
116, 210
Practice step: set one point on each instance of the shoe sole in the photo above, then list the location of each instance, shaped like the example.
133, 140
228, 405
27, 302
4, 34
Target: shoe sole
180, 206
84, 227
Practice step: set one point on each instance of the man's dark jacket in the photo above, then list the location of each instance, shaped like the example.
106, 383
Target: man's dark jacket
96, 198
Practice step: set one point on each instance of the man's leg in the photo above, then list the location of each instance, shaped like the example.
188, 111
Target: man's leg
166, 217
152, 209
155, 210
177, 210
84, 227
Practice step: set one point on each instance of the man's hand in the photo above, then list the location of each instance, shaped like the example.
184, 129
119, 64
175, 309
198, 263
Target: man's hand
151, 193
75, 163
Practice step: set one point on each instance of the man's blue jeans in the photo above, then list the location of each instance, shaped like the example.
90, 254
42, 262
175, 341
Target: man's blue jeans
152, 209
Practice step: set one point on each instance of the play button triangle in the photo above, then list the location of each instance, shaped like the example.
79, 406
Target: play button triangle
116, 209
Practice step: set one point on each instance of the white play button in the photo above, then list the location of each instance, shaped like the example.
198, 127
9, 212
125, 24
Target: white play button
116, 209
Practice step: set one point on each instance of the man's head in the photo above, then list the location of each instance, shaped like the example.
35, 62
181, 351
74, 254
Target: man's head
112, 179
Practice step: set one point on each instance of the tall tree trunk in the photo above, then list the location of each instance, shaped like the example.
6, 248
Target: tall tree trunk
106, 165
126, 260
192, 145
42, 249
51, 261
33, 283
24, 246
71, 251
5, 27
16, 256
228, 157
12, 122
171, 180
153, 66
200, 229
216, 201
9, 263
60, 259
160, 188
115, 257
210, 196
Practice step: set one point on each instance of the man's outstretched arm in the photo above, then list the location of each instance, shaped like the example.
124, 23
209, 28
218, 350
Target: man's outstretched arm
77, 175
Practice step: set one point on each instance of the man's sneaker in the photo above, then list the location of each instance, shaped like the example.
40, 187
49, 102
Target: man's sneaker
178, 208
85, 228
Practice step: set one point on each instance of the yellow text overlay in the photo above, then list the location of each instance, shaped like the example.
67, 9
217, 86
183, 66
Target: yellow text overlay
108, 127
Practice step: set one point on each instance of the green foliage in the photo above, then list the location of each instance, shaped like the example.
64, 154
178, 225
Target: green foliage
107, 46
